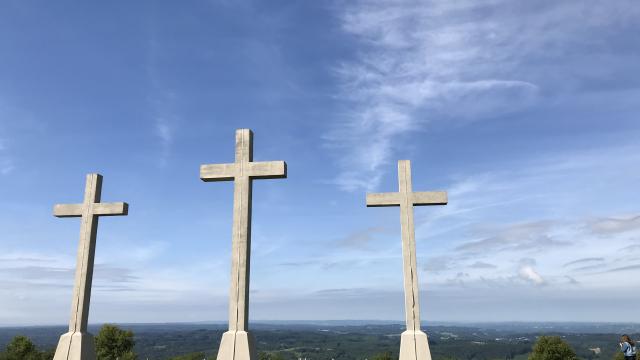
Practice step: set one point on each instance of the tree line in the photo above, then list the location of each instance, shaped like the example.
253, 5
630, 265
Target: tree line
113, 343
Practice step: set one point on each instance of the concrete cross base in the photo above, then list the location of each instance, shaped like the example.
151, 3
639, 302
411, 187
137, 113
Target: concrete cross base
414, 346
76, 346
237, 345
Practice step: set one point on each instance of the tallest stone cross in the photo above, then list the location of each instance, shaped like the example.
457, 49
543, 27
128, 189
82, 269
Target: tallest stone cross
413, 342
237, 343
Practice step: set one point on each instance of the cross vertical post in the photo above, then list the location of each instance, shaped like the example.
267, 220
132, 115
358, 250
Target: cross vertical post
238, 343
77, 343
414, 344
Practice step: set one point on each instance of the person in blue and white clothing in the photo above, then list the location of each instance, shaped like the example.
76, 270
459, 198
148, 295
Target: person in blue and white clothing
628, 348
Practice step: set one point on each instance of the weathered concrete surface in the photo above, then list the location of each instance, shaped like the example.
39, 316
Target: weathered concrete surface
414, 344
237, 343
77, 344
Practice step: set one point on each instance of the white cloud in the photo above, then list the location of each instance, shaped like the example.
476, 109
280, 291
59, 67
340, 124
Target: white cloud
528, 273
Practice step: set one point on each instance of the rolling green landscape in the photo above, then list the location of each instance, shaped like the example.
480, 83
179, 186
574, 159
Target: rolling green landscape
345, 341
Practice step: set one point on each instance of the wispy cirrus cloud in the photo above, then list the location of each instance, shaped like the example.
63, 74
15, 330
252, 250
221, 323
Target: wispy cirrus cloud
607, 226
37, 269
29, 279
571, 235
6, 161
623, 268
584, 261
425, 61
161, 99
516, 237
437, 264
6, 166
164, 133
482, 265
362, 238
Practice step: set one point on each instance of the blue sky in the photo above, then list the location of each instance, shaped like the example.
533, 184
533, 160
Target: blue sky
526, 113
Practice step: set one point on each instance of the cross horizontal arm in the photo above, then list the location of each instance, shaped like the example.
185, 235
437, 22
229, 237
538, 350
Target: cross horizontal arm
67, 210
383, 199
267, 169
261, 170
217, 172
101, 209
429, 198
111, 209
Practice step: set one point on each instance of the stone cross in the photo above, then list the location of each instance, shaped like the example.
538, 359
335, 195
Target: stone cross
77, 344
237, 343
413, 342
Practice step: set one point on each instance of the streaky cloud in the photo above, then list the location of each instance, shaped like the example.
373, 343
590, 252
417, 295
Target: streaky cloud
583, 261
418, 62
